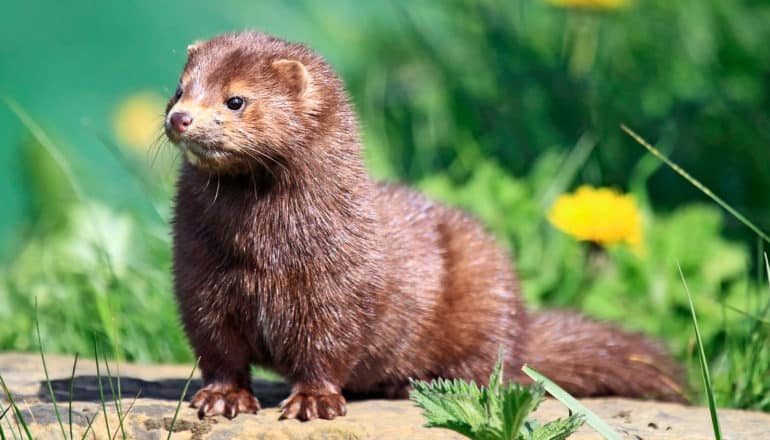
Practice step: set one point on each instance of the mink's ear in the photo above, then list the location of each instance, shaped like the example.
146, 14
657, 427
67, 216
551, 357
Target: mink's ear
293, 74
192, 48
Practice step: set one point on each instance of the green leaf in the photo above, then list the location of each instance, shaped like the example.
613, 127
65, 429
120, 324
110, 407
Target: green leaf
570, 402
517, 403
453, 405
558, 429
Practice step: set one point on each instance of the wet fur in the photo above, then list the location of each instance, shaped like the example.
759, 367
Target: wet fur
287, 255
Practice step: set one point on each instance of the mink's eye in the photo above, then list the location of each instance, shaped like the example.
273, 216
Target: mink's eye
235, 103
178, 93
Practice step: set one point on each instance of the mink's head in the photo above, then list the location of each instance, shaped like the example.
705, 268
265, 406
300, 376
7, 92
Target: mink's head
249, 101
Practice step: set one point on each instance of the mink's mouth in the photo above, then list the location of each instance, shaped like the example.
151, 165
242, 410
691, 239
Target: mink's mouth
190, 146
207, 153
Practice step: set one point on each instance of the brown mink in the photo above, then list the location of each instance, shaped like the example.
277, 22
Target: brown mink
287, 255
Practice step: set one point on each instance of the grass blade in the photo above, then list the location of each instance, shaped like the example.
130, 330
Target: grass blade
18, 428
31, 414
573, 162
767, 269
703, 364
47, 377
746, 314
101, 390
48, 145
72, 389
570, 402
19, 417
2, 431
117, 402
181, 398
696, 183
8, 422
125, 414
10, 429
90, 425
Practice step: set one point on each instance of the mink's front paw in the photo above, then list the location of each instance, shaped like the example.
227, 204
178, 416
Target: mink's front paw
309, 405
224, 400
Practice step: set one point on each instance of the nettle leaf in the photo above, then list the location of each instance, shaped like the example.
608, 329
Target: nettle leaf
496, 378
494, 412
558, 429
453, 405
517, 403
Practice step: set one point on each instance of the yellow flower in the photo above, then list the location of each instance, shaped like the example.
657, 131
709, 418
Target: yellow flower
138, 119
591, 4
601, 215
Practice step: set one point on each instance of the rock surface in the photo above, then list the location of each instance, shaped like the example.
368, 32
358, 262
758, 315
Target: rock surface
159, 387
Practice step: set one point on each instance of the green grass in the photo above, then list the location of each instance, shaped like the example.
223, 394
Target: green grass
101, 389
71, 393
48, 378
2, 416
21, 423
703, 365
116, 397
181, 398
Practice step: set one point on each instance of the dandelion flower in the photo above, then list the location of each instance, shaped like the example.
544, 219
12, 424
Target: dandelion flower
138, 119
591, 4
600, 215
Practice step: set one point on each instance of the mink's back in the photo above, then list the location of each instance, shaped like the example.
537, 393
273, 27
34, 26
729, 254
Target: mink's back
450, 298
454, 303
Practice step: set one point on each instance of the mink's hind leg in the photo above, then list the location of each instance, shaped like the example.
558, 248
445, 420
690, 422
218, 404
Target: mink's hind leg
398, 391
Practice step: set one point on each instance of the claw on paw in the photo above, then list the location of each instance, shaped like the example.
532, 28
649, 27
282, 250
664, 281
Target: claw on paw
309, 406
221, 400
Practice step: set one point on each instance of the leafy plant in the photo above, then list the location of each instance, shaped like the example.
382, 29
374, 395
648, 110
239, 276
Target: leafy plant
498, 411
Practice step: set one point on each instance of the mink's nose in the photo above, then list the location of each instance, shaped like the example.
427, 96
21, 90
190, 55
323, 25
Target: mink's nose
180, 121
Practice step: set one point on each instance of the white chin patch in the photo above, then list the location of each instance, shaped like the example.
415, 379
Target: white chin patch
201, 156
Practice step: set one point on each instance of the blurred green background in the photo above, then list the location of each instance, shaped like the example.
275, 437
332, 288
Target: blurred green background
494, 106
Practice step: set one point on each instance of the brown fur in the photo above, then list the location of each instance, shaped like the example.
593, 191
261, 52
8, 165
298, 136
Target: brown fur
287, 255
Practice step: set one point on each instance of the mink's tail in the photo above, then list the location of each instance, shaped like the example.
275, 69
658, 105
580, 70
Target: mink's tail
589, 358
